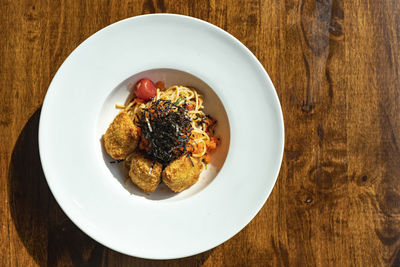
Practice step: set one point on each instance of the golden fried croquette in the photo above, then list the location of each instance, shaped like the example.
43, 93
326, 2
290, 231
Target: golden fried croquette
141, 175
121, 137
180, 174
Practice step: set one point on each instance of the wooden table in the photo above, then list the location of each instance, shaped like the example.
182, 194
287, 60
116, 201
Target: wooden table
335, 66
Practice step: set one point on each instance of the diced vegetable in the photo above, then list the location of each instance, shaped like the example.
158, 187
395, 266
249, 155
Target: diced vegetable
160, 85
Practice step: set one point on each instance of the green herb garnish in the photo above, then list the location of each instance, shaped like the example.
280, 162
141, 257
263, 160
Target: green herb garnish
178, 101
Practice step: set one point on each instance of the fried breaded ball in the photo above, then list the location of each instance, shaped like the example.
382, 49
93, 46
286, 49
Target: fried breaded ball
141, 175
180, 174
121, 137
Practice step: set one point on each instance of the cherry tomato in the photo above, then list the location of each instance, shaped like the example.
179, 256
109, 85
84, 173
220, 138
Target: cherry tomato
145, 89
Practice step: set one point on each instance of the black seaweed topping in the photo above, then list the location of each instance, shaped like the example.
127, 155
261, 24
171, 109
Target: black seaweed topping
167, 129
117, 161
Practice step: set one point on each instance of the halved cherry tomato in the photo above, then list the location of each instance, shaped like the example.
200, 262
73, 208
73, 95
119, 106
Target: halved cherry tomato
145, 89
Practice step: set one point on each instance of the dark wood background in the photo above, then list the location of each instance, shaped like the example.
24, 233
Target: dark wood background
335, 66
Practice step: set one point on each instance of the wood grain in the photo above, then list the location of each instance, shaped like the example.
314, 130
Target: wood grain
335, 66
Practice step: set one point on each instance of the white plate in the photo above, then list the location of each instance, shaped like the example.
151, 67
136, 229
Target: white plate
79, 105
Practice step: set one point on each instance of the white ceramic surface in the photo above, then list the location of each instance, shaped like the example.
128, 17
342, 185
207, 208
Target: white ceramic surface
79, 105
